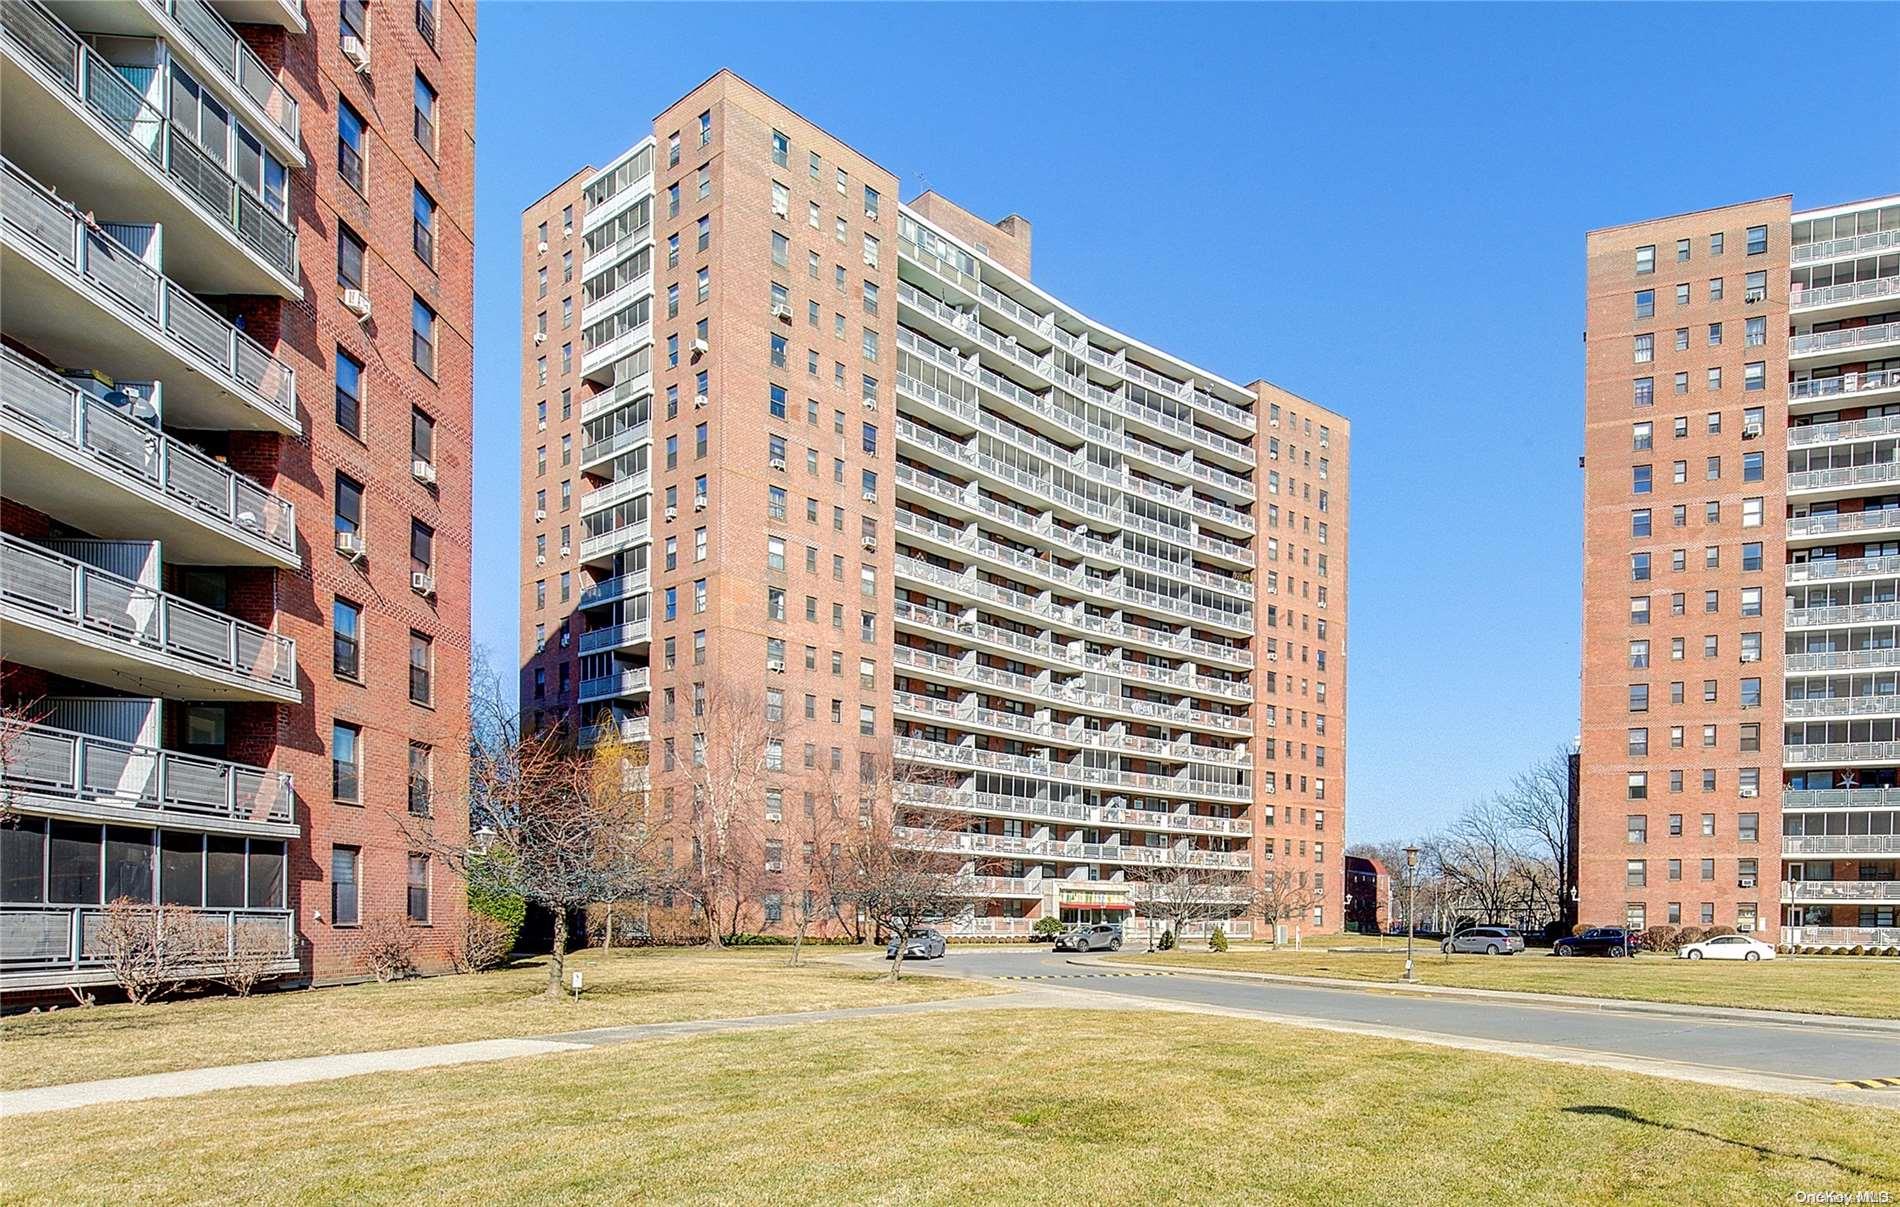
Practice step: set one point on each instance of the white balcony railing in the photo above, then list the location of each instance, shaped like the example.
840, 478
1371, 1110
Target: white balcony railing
1807, 754
1850, 291
94, 776
1827, 569
141, 455
1841, 844
1843, 385
1876, 473
1846, 339
1840, 890
1811, 434
1841, 936
1843, 706
78, 600
96, 86
1841, 614
1839, 798
604, 687
615, 636
98, 265
1849, 245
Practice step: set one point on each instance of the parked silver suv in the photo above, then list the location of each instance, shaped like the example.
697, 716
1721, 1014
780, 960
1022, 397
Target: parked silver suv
1486, 940
1100, 936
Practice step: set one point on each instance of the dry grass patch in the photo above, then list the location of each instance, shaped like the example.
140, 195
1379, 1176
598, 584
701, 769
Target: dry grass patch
622, 987
1867, 988
1006, 1107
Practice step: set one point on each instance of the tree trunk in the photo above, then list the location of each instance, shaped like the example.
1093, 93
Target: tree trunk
897, 961
557, 959
607, 944
798, 942
712, 923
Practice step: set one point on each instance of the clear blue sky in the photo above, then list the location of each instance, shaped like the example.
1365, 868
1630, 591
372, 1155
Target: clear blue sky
1380, 208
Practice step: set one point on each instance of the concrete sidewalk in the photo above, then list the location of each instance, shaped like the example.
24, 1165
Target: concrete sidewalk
1838, 1022
398, 1060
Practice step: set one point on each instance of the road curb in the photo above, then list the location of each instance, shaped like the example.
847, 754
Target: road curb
1829, 1022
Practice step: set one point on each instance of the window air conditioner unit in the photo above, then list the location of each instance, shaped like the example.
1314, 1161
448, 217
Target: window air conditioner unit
870, 496
356, 53
1751, 657
541, 247
422, 582
700, 347
565, 550
699, 502
540, 559
870, 261
540, 337
1751, 430
350, 545
357, 303
1751, 793
870, 404
1746, 882
870, 545
777, 463
672, 513
781, 311
775, 665
540, 513
422, 471
773, 865
699, 401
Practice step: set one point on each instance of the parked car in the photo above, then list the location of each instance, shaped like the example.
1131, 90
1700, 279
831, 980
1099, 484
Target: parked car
1100, 936
921, 945
1486, 940
1614, 941
1726, 947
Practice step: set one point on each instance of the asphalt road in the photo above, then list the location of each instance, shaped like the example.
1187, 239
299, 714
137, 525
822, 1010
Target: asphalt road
1779, 1049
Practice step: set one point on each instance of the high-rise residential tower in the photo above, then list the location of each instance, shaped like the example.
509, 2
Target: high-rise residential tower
1741, 562
235, 422
844, 453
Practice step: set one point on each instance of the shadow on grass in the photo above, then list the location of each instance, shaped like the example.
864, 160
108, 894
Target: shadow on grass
1762, 1150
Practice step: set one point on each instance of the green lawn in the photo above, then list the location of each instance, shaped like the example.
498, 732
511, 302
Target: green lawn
622, 987
1816, 985
980, 1107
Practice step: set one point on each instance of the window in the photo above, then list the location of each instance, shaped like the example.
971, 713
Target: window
705, 128
423, 236
1645, 303
1636, 873
1757, 240
781, 149
346, 888
1644, 392
349, 258
1638, 787
1645, 260
1755, 376
422, 323
346, 763
418, 905
421, 778
1640, 522
349, 145
349, 393
346, 628
424, 114
1755, 331
1748, 827
1645, 348
421, 668
421, 547
1640, 479
349, 504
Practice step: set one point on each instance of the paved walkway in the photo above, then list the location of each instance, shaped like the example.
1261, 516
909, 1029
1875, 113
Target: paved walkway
399, 1060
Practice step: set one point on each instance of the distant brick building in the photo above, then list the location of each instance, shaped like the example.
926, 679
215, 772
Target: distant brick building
1368, 895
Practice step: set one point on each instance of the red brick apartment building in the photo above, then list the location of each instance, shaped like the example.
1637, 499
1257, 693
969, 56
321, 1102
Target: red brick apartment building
781, 430
1740, 569
236, 433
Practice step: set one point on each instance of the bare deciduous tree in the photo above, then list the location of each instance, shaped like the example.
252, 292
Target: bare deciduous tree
897, 864
1479, 857
811, 875
1538, 804
551, 826
1183, 896
733, 747
1287, 896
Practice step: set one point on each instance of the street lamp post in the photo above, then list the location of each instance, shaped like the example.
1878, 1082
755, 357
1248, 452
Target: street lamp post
1411, 909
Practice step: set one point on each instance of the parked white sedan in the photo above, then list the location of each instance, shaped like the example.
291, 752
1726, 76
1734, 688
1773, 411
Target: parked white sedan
1726, 947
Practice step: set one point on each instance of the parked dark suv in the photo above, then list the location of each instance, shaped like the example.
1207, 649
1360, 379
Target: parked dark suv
1614, 941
